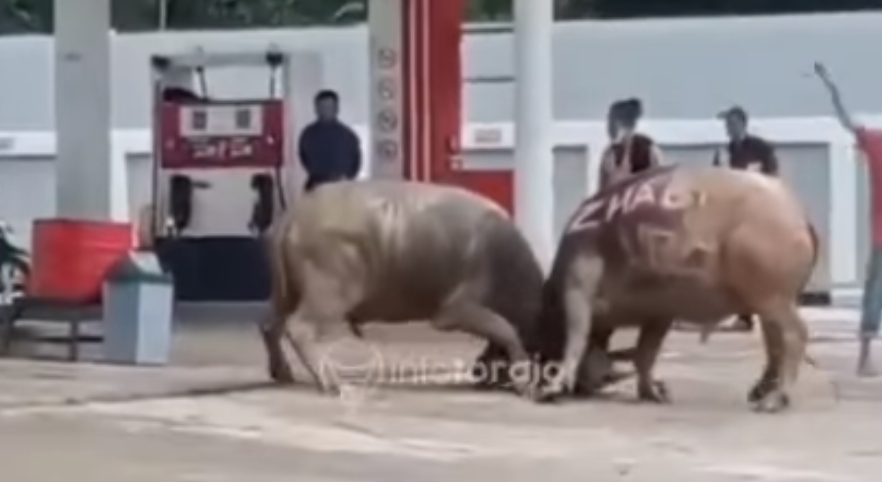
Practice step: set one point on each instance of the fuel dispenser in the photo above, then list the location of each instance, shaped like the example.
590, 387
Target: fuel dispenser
222, 172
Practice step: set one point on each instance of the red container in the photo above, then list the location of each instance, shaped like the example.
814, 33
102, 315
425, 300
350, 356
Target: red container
70, 258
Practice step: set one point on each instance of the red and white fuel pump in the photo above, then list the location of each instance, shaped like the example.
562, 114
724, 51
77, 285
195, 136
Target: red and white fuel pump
224, 167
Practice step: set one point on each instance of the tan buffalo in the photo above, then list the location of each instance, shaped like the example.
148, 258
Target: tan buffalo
673, 243
396, 252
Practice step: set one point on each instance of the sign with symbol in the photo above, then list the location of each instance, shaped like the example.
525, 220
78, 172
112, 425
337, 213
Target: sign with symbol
387, 58
387, 150
387, 121
386, 89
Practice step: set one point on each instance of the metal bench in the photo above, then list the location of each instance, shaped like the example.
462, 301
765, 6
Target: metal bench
35, 309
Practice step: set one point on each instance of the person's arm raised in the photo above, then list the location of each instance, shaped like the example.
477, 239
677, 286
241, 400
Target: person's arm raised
841, 112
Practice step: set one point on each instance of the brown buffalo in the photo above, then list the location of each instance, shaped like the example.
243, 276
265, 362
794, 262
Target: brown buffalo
673, 243
395, 252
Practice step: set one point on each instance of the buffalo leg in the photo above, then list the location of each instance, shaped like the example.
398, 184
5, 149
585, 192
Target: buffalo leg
326, 302
649, 342
271, 331
484, 323
773, 345
492, 356
580, 287
596, 365
794, 336
303, 335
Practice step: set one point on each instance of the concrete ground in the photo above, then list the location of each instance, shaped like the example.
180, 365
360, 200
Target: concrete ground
210, 417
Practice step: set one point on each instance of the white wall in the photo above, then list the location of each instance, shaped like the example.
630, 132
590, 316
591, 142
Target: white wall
682, 68
19, 186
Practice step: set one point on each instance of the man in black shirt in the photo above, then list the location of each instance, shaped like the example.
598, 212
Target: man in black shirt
746, 151
329, 150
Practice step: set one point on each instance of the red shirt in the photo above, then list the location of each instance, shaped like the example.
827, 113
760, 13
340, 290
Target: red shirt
870, 142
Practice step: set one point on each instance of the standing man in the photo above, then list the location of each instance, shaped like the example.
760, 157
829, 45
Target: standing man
746, 151
870, 143
329, 150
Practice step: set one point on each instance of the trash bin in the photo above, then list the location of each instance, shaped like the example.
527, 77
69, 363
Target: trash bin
138, 305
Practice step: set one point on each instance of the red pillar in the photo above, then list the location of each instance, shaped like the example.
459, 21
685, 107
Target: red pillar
432, 98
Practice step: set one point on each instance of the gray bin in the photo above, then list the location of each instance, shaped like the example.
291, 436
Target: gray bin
138, 305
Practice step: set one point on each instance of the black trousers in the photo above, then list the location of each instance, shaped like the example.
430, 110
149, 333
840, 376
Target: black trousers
313, 182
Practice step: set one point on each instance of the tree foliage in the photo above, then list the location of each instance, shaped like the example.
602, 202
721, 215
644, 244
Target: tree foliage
143, 15
18, 16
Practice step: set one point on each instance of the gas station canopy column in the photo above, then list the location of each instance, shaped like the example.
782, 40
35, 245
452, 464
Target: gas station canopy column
85, 171
534, 159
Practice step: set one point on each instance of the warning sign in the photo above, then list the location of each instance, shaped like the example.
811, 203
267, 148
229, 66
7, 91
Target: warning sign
386, 89
387, 58
387, 150
387, 121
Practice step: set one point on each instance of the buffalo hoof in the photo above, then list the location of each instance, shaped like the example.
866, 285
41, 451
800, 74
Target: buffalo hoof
773, 402
490, 372
654, 392
281, 374
529, 391
330, 389
484, 385
552, 393
760, 390
584, 390
490, 385
591, 384
547, 398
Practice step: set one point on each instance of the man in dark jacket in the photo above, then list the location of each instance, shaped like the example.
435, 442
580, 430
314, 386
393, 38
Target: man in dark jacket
329, 150
746, 151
